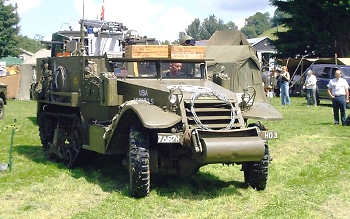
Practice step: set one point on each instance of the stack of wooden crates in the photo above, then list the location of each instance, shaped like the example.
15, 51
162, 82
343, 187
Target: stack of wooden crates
165, 52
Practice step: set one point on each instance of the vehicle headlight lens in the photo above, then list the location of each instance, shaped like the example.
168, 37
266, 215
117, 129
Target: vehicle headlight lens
172, 99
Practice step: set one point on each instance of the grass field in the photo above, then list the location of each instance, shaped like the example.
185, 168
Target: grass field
309, 177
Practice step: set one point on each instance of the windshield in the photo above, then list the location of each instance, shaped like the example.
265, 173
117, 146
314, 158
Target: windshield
346, 71
157, 69
181, 70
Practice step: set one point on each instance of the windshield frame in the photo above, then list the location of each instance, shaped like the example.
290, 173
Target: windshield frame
156, 68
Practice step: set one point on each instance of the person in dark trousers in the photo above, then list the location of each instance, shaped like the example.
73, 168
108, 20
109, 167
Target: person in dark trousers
338, 90
310, 86
284, 78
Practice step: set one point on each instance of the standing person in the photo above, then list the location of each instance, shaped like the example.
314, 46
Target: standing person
338, 90
275, 84
310, 86
284, 78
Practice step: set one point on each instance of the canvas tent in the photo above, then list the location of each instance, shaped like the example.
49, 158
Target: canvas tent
230, 48
10, 74
299, 66
27, 73
10, 61
228, 37
241, 66
231, 51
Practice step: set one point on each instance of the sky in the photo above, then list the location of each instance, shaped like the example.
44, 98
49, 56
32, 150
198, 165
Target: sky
161, 19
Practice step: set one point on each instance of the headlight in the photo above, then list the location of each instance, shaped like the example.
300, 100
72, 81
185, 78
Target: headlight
172, 99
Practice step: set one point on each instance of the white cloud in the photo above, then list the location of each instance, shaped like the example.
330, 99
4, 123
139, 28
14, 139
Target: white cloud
87, 9
171, 22
153, 20
239, 22
25, 5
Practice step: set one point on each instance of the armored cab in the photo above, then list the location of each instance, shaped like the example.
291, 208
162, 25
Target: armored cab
124, 101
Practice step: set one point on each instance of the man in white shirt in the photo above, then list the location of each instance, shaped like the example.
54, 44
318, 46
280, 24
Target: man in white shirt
338, 90
310, 86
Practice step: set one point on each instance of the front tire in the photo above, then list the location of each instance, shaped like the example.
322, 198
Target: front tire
139, 170
256, 173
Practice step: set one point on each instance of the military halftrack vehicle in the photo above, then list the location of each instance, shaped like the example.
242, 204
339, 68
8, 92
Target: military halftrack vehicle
3, 99
107, 91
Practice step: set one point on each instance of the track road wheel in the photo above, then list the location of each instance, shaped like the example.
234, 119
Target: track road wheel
139, 170
69, 158
80, 158
2, 108
46, 133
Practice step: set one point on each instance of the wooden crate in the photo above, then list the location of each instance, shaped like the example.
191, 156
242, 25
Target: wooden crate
187, 52
146, 51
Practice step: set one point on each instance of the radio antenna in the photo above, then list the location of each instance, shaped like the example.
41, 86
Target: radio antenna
82, 34
83, 9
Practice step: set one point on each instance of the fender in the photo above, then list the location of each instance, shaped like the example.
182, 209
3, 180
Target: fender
263, 111
151, 116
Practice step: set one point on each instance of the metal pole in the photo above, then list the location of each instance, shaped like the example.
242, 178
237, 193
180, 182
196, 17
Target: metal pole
13, 133
336, 58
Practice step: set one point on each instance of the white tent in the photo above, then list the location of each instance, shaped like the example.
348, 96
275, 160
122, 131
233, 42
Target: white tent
27, 73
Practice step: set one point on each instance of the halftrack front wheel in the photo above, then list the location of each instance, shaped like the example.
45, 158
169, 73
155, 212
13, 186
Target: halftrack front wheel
139, 170
256, 173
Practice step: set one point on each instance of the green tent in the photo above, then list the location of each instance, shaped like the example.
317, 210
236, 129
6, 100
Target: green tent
241, 66
11, 61
233, 56
228, 37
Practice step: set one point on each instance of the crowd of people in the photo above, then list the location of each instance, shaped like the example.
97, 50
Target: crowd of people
338, 91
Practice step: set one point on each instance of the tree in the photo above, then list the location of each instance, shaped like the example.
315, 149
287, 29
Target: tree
256, 24
9, 29
231, 26
278, 15
194, 30
204, 30
249, 32
315, 28
29, 44
210, 25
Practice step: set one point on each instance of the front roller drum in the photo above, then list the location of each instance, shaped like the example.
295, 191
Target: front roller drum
231, 149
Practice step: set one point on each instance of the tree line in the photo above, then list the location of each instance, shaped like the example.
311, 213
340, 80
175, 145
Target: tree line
10, 40
313, 28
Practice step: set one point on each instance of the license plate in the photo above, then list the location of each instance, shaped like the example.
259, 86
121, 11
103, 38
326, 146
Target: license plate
269, 134
168, 138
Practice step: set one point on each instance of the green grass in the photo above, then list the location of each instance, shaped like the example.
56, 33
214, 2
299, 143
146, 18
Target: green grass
308, 177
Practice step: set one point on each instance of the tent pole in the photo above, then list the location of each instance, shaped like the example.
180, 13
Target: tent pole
336, 58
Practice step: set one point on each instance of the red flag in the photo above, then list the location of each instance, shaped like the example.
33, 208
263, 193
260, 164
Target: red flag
102, 16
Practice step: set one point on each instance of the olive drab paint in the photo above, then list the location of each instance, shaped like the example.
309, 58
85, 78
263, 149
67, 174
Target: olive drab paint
91, 100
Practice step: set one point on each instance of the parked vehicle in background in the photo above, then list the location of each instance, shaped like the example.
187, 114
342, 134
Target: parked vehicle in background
324, 73
3, 97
